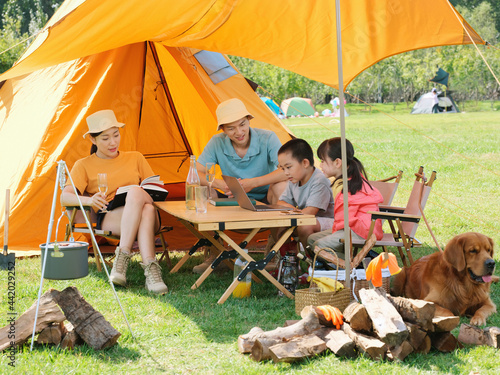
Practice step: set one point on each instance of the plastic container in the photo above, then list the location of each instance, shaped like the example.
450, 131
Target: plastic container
244, 288
192, 180
73, 264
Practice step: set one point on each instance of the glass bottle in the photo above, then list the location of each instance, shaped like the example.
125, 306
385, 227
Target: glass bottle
289, 273
192, 180
243, 289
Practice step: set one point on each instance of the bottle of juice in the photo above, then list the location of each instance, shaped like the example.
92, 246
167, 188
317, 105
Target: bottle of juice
192, 180
243, 289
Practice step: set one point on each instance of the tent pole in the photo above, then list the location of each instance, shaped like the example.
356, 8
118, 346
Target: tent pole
347, 229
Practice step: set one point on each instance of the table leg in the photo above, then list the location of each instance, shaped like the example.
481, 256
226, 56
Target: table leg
186, 256
247, 257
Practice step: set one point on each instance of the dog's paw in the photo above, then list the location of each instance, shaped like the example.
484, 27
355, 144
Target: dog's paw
478, 320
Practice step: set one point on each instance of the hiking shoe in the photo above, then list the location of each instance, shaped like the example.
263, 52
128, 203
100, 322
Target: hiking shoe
120, 265
154, 281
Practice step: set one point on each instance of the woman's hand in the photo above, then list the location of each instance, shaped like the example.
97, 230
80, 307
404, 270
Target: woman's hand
98, 201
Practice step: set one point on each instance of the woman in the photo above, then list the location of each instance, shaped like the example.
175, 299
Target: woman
138, 219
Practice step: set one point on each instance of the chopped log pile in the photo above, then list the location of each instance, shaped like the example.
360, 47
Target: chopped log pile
78, 323
382, 327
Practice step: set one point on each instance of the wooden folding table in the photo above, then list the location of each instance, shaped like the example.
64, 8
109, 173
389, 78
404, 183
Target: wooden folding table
213, 225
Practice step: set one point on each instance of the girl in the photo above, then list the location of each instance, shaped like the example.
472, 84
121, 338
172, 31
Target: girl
138, 219
362, 197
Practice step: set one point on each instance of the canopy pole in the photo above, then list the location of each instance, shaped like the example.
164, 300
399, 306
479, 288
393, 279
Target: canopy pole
347, 229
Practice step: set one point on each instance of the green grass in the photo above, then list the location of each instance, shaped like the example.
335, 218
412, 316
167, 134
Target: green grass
187, 332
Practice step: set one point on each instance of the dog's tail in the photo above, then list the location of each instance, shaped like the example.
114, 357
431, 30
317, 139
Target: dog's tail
399, 283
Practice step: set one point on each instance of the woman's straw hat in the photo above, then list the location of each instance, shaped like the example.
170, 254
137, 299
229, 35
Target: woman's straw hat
101, 121
231, 110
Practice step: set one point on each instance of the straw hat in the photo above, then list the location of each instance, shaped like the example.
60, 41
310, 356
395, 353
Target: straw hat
101, 121
231, 110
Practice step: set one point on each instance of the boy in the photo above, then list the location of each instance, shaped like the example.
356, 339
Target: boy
307, 188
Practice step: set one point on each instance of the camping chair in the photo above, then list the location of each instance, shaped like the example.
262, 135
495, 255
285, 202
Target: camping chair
403, 221
388, 191
77, 225
386, 188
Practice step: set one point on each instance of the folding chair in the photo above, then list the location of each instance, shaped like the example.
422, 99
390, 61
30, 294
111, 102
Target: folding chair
386, 188
77, 225
403, 221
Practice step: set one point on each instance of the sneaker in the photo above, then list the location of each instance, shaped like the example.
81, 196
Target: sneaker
120, 265
154, 281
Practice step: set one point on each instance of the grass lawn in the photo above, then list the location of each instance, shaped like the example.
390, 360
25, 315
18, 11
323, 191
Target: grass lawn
187, 332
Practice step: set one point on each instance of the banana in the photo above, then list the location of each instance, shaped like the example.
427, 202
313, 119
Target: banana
325, 284
333, 284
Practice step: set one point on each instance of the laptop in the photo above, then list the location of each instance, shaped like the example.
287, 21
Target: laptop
245, 202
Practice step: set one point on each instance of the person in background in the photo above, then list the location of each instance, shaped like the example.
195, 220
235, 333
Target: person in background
435, 100
362, 197
308, 189
249, 154
138, 219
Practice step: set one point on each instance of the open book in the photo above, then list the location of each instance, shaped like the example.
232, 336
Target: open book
153, 186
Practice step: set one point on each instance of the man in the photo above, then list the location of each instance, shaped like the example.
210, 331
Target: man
244, 152
250, 154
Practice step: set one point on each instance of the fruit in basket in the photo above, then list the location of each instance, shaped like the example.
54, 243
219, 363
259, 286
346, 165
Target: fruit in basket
326, 284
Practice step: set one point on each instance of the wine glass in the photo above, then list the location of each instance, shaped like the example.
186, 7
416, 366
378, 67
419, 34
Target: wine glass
210, 174
102, 185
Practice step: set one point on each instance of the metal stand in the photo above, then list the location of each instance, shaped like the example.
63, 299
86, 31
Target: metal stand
62, 169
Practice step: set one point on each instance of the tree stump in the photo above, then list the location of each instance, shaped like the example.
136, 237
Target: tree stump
90, 324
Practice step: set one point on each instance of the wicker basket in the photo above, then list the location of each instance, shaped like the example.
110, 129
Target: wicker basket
360, 284
314, 296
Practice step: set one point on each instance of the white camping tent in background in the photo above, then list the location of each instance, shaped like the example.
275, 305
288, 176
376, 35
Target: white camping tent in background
425, 103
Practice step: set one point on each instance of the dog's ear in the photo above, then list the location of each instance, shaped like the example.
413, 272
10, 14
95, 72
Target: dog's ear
454, 253
492, 246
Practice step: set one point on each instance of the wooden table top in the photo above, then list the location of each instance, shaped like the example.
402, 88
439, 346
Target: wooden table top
233, 217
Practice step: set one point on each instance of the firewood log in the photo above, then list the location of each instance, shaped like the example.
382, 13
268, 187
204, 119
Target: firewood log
90, 324
51, 335
71, 338
48, 313
307, 325
445, 323
297, 348
387, 322
444, 341
357, 317
340, 344
416, 335
473, 335
371, 346
400, 352
415, 311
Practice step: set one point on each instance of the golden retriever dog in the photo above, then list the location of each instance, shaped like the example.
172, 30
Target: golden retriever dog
457, 279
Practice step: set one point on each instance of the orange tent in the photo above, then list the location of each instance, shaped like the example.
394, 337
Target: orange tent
138, 58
